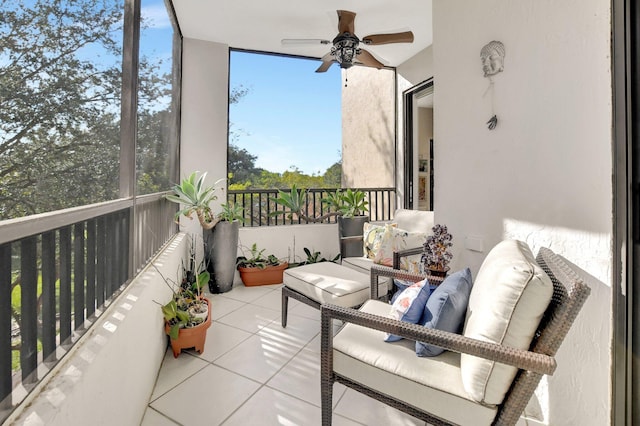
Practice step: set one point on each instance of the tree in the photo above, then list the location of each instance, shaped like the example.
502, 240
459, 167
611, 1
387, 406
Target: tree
242, 166
58, 119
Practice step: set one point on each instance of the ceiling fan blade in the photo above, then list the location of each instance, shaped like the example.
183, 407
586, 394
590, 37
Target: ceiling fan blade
367, 59
345, 21
304, 41
373, 39
327, 61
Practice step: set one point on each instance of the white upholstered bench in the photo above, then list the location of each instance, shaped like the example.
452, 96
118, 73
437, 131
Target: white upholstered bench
326, 282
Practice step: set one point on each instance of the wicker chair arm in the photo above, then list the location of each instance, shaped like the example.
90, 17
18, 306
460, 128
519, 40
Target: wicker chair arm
397, 255
385, 271
525, 360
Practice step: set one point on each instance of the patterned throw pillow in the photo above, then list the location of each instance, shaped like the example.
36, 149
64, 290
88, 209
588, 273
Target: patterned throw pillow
372, 238
396, 239
409, 305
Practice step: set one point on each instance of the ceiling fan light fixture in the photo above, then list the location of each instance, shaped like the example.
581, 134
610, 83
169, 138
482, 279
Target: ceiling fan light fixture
345, 49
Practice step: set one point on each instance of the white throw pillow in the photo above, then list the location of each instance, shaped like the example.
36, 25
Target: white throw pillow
508, 299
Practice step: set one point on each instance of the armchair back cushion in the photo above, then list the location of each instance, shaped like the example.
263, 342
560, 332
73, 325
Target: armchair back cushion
414, 220
509, 297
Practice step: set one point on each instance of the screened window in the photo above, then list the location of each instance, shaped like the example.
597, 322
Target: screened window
60, 85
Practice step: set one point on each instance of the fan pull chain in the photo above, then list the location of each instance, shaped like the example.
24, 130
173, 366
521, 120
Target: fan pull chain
346, 78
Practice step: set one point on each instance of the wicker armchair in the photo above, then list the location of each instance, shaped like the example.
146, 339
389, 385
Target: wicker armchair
569, 294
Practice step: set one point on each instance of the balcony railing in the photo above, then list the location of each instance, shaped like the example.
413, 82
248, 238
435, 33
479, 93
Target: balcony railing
259, 206
69, 265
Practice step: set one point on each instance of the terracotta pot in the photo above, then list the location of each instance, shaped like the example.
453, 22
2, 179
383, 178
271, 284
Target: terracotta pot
192, 337
256, 276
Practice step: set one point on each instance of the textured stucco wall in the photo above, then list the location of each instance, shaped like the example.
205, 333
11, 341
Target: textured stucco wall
368, 127
544, 174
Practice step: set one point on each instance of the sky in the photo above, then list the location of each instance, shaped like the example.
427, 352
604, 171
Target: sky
291, 115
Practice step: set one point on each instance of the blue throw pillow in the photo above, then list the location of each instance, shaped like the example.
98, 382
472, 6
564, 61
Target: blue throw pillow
409, 305
446, 308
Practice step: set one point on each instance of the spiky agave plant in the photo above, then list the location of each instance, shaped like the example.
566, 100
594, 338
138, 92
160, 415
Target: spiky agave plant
195, 197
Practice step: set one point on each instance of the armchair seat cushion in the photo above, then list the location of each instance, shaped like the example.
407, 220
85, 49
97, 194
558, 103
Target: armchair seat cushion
431, 384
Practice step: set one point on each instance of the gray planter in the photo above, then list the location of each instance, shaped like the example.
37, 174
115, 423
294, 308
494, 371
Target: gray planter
221, 248
349, 229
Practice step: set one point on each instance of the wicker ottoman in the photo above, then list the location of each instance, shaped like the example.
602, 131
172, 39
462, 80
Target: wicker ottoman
325, 282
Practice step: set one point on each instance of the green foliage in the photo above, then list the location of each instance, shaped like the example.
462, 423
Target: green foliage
256, 259
294, 201
231, 212
195, 198
59, 119
316, 257
353, 203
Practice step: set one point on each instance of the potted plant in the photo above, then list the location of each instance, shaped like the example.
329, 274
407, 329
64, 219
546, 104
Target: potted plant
258, 269
436, 255
221, 247
187, 316
352, 207
220, 231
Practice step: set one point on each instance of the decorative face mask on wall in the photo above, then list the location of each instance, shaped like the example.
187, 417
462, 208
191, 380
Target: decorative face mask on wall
492, 56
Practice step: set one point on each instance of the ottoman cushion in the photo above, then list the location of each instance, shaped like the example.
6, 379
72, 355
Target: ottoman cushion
328, 282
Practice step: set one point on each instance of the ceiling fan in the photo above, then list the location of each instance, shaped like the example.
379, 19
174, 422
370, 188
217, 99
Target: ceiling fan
346, 50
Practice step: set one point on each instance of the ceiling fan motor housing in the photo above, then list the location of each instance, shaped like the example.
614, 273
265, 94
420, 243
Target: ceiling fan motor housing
345, 49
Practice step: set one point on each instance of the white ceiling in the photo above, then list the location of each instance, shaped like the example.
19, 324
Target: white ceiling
261, 25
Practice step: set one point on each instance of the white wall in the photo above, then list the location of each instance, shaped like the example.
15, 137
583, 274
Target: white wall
544, 174
109, 376
205, 93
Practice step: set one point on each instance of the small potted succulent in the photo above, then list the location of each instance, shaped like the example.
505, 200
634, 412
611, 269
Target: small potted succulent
259, 269
436, 255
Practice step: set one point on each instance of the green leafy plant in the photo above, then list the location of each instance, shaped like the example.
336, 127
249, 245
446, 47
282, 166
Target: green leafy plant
231, 212
256, 259
353, 203
316, 257
187, 307
195, 198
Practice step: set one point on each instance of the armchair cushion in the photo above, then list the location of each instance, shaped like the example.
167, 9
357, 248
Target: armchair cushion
396, 239
446, 308
510, 295
430, 384
372, 238
409, 305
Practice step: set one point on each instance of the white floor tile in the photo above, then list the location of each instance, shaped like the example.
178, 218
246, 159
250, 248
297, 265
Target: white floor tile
218, 394
360, 408
175, 370
298, 332
304, 310
258, 357
249, 294
250, 318
301, 378
221, 338
153, 418
273, 300
268, 407
221, 306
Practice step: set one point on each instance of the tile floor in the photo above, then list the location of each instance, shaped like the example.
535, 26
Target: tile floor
254, 372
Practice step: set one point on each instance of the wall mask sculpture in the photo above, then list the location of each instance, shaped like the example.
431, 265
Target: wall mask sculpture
492, 57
